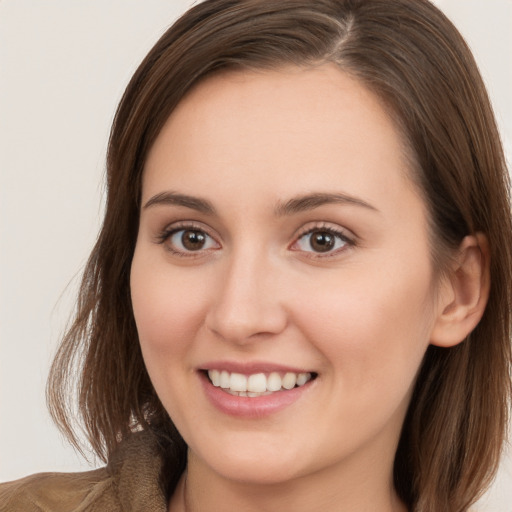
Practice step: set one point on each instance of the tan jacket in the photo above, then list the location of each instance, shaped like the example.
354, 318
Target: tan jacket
129, 483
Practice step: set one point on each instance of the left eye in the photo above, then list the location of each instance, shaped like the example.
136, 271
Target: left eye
189, 240
321, 241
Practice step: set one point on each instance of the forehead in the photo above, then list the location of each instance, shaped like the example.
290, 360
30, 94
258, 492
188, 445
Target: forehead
303, 128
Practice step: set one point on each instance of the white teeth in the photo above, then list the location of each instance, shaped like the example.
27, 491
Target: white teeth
274, 382
224, 380
215, 377
289, 380
302, 378
257, 384
238, 382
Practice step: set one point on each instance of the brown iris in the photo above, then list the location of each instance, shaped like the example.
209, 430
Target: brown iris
322, 241
193, 240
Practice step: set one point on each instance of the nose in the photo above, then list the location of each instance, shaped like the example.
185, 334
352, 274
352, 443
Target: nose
248, 303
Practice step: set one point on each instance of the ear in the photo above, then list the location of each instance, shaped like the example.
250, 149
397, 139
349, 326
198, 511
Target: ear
464, 293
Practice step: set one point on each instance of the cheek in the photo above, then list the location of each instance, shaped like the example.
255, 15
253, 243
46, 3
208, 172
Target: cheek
373, 340
371, 327
168, 309
168, 312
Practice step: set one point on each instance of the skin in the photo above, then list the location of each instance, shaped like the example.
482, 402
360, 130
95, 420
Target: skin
361, 316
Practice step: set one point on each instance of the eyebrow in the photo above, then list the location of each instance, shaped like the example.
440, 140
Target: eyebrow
175, 199
292, 206
311, 201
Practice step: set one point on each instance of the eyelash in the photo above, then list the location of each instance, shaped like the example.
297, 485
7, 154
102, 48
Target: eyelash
168, 233
337, 233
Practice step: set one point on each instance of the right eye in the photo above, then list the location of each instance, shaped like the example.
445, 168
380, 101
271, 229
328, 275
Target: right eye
185, 241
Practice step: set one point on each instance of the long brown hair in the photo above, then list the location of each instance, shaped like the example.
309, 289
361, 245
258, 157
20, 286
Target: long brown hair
410, 55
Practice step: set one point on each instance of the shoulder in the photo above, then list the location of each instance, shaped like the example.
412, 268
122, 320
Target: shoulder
59, 492
131, 482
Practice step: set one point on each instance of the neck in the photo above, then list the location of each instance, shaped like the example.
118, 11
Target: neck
336, 489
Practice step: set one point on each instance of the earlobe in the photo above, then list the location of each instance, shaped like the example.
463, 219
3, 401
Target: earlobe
463, 300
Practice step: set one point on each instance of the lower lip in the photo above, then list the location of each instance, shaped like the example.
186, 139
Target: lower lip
251, 407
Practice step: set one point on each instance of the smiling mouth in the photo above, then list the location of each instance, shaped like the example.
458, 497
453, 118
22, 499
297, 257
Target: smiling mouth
257, 384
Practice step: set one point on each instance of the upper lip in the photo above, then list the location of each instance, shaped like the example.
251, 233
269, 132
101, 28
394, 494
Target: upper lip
250, 368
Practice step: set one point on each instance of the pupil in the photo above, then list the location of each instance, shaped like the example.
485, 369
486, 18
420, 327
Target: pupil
322, 241
193, 240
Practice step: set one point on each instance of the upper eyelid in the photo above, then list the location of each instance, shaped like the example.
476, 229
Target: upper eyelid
163, 234
187, 224
347, 236
305, 229
326, 226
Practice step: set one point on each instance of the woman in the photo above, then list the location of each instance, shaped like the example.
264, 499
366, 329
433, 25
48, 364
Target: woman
300, 294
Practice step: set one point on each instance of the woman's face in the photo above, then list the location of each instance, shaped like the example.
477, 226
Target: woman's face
282, 244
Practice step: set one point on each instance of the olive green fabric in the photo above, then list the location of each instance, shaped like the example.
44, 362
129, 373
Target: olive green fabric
129, 483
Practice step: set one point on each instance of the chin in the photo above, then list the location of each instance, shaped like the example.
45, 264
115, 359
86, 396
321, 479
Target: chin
256, 473
255, 464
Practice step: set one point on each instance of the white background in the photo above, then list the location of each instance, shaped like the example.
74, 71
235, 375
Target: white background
63, 67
